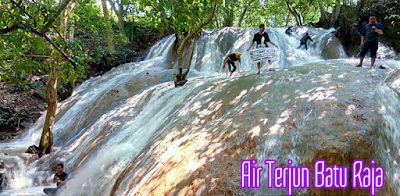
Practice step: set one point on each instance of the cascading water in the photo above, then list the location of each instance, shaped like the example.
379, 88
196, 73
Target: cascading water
131, 132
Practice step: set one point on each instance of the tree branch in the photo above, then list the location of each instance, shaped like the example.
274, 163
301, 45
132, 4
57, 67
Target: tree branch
56, 47
113, 6
59, 50
15, 27
190, 36
191, 57
37, 56
30, 16
21, 8
9, 29
53, 19
244, 13
295, 13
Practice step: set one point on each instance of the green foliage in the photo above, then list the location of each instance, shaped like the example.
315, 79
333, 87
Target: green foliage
393, 16
87, 17
182, 15
25, 53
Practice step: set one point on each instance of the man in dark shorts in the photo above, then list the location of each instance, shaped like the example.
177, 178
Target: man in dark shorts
369, 39
304, 40
231, 61
262, 38
289, 30
60, 177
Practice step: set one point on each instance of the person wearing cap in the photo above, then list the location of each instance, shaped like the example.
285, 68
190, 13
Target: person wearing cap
304, 40
231, 61
262, 38
289, 30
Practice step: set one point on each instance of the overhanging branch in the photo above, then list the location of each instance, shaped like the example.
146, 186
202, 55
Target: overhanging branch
15, 27
9, 29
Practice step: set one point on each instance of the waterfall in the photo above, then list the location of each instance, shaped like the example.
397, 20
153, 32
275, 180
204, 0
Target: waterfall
131, 131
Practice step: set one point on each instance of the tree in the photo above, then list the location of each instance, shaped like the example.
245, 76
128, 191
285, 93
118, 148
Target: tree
322, 19
297, 15
109, 31
336, 13
65, 19
229, 12
117, 7
181, 77
243, 13
32, 22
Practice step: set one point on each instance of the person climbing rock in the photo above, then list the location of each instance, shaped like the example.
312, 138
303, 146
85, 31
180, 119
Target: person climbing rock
262, 38
304, 40
369, 39
60, 178
289, 30
231, 62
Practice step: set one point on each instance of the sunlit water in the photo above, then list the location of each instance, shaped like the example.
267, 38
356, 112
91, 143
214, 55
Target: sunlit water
111, 119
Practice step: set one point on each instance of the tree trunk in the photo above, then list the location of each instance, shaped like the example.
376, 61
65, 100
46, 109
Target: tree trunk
287, 19
322, 20
359, 7
64, 22
191, 57
53, 19
336, 13
110, 43
244, 13
180, 77
46, 141
65, 19
229, 17
72, 31
121, 19
297, 15
300, 17
133, 32
119, 13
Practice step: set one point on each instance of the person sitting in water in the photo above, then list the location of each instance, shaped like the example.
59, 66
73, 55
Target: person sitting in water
60, 178
304, 40
289, 30
231, 61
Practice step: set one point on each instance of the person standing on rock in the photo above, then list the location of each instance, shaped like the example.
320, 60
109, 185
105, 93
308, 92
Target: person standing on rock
262, 38
231, 61
304, 40
60, 178
369, 39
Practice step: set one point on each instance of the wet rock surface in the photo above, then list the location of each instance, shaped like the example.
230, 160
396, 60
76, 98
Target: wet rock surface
305, 114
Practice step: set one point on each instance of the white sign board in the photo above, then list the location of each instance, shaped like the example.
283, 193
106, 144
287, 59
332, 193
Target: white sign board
261, 54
